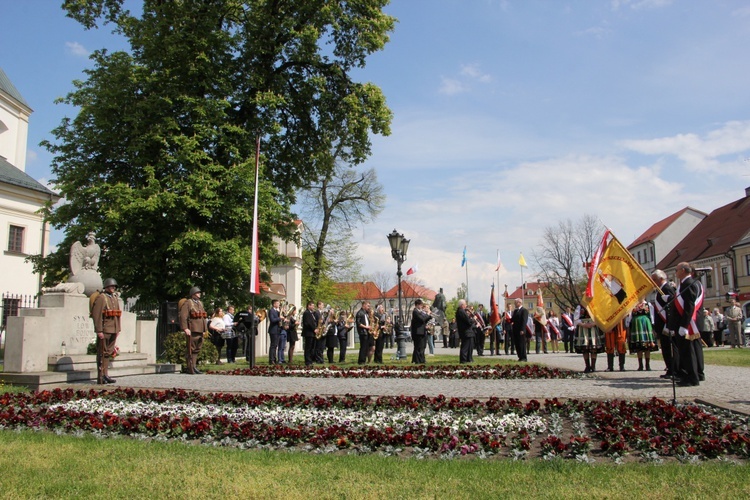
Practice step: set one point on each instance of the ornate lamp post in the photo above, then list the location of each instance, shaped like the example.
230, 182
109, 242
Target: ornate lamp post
399, 246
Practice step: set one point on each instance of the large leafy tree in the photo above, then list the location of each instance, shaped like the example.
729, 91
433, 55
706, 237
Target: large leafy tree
159, 160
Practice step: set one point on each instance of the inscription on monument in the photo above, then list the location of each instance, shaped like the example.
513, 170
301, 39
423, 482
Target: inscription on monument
83, 329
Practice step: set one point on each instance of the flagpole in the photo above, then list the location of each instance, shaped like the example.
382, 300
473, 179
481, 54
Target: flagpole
254, 270
467, 281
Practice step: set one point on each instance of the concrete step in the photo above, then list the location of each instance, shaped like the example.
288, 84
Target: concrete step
49, 379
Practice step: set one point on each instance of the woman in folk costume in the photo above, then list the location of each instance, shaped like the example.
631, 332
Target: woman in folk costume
642, 338
589, 340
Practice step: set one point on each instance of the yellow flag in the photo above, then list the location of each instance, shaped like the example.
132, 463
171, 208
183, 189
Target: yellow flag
617, 284
522, 261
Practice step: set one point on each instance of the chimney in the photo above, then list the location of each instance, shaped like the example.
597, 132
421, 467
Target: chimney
747, 191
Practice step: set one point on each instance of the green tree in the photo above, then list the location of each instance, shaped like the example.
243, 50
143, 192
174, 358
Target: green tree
159, 160
334, 205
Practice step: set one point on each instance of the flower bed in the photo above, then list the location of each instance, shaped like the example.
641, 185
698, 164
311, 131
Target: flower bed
408, 371
422, 426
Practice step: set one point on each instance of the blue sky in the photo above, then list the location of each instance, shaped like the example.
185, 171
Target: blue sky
508, 116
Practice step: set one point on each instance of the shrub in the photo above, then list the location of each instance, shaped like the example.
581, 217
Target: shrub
174, 350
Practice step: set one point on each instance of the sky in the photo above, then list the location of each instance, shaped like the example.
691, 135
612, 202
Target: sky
509, 116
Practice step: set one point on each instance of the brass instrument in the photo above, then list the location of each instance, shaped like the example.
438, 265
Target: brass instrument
350, 320
261, 314
374, 325
320, 331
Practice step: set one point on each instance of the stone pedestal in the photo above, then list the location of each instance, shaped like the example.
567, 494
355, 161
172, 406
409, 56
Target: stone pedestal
43, 342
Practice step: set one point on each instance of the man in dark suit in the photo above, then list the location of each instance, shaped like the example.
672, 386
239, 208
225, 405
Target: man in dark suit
465, 325
309, 329
668, 349
419, 318
274, 330
681, 322
519, 319
362, 321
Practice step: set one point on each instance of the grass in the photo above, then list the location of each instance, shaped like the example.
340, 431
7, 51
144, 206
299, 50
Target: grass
721, 356
41, 464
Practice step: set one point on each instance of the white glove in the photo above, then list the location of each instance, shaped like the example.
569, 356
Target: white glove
683, 331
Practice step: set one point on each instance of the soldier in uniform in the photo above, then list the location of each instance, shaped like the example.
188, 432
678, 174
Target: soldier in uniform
106, 314
193, 323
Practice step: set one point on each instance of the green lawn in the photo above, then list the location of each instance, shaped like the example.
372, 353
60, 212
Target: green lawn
43, 465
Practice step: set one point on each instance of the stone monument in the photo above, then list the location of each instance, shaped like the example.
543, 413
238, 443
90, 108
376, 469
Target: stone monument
48, 344
84, 265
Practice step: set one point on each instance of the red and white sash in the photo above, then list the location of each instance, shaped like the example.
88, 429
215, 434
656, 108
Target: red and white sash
693, 331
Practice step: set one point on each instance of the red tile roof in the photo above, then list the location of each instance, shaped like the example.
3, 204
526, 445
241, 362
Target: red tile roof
409, 289
532, 287
364, 290
656, 229
714, 235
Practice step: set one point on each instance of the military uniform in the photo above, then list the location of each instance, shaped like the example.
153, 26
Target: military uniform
193, 317
106, 314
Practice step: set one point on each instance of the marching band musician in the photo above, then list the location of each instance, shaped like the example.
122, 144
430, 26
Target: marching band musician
419, 318
363, 329
247, 326
380, 317
291, 333
309, 329
320, 339
332, 338
342, 331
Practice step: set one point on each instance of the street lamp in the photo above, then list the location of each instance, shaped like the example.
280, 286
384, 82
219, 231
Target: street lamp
399, 246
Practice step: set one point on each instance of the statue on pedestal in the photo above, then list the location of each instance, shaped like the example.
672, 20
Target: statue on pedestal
84, 264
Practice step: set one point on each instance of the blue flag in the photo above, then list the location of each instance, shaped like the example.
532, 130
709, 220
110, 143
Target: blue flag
463, 260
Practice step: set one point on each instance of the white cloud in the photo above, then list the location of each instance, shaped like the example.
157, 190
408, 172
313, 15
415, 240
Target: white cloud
641, 4
451, 86
76, 49
472, 71
701, 154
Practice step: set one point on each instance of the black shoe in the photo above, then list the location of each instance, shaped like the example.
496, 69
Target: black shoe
197, 371
685, 383
108, 380
666, 375
702, 378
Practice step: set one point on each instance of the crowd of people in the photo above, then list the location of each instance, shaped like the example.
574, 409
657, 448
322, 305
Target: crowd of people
676, 322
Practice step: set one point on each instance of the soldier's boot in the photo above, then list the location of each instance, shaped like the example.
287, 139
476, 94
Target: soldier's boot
610, 362
622, 362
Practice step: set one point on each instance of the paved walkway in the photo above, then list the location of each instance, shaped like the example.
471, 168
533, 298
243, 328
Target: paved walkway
724, 386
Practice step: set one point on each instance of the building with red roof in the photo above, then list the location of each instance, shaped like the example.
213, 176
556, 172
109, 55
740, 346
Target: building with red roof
659, 239
720, 243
